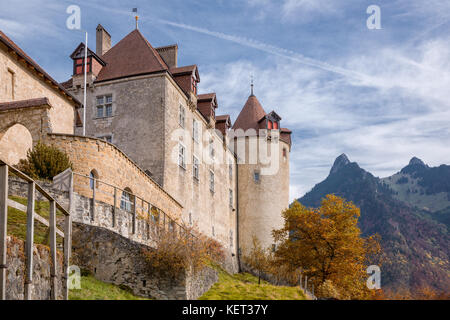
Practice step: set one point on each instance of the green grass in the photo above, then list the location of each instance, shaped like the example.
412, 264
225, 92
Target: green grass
17, 221
244, 286
93, 289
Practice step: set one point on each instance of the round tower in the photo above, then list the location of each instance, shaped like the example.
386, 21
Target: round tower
262, 148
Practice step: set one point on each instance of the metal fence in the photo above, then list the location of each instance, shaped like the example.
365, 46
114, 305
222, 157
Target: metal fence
5, 170
125, 200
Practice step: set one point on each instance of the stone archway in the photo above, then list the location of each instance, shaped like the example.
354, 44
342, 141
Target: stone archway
15, 143
35, 119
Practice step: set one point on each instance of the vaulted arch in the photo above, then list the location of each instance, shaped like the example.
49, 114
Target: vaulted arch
15, 143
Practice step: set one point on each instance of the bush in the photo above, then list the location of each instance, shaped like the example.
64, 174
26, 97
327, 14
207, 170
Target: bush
327, 290
176, 253
44, 162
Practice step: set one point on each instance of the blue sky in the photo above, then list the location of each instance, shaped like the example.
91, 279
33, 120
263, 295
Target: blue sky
380, 96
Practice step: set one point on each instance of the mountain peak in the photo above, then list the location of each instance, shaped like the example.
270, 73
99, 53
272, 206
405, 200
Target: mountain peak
339, 163
415, 165
416, 161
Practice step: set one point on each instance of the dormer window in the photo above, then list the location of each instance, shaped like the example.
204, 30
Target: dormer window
78, 66
269, 125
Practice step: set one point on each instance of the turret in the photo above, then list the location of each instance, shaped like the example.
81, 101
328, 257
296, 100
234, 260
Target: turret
262, 148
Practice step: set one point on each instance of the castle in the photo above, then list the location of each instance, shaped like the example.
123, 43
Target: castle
150, 132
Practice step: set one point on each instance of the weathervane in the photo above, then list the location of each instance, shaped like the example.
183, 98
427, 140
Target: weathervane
136, 16
251, 85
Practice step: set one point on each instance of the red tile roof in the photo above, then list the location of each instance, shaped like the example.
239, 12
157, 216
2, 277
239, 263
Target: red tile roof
29, 103
14, 47
222, 118
206, 97
133, 55
250, 115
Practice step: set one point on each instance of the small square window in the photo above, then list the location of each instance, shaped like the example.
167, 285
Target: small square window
104, 106
256, 176
108, 110
195, 168
211, 181
100, 112
195, 133
182, 116
181, 156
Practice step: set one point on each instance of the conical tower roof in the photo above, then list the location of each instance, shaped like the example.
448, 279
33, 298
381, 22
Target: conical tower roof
250, 115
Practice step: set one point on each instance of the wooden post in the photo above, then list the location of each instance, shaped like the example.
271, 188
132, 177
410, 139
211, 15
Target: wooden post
114, 208
53, 253
93, 200
306, 283
134, 214
3, 225
29, 241
300, 281
68, 239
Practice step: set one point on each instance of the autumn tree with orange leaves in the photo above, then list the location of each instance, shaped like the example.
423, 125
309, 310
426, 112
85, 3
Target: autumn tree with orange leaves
326, 244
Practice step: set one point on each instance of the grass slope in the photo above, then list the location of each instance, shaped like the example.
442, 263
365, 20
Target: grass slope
17, 221
244, 286
93, 289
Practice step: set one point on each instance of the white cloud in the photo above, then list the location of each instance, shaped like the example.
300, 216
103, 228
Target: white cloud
400, 110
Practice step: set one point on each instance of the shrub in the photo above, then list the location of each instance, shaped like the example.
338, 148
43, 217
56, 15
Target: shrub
327, 290
44, 162
176, 253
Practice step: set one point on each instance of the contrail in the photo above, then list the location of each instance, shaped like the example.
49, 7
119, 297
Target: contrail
251, 43
270, 49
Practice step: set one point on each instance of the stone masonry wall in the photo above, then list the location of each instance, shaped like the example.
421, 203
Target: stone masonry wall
137, 120
15, 274
113, 253
27, 85
114, 167
115, 259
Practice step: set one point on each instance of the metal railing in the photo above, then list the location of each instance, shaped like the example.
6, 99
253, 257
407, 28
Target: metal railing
137, 206
5, 170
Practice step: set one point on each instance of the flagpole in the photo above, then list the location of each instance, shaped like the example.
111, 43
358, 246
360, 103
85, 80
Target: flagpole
85, 81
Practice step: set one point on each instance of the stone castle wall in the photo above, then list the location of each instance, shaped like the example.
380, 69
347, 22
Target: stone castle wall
114, 167
27, 85
210, 212
15, 272
261, 203
115, 259
145, 125
137, 122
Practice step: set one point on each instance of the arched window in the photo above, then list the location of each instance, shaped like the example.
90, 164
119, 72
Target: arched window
93, 177
127, 200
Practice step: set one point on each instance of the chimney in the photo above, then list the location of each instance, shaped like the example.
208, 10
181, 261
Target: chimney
169, 55
103, 43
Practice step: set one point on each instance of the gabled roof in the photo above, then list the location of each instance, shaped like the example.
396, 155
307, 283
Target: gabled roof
133, 55
22, 55
225, 117
250, 115
206, 97
79, 53
186, 70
